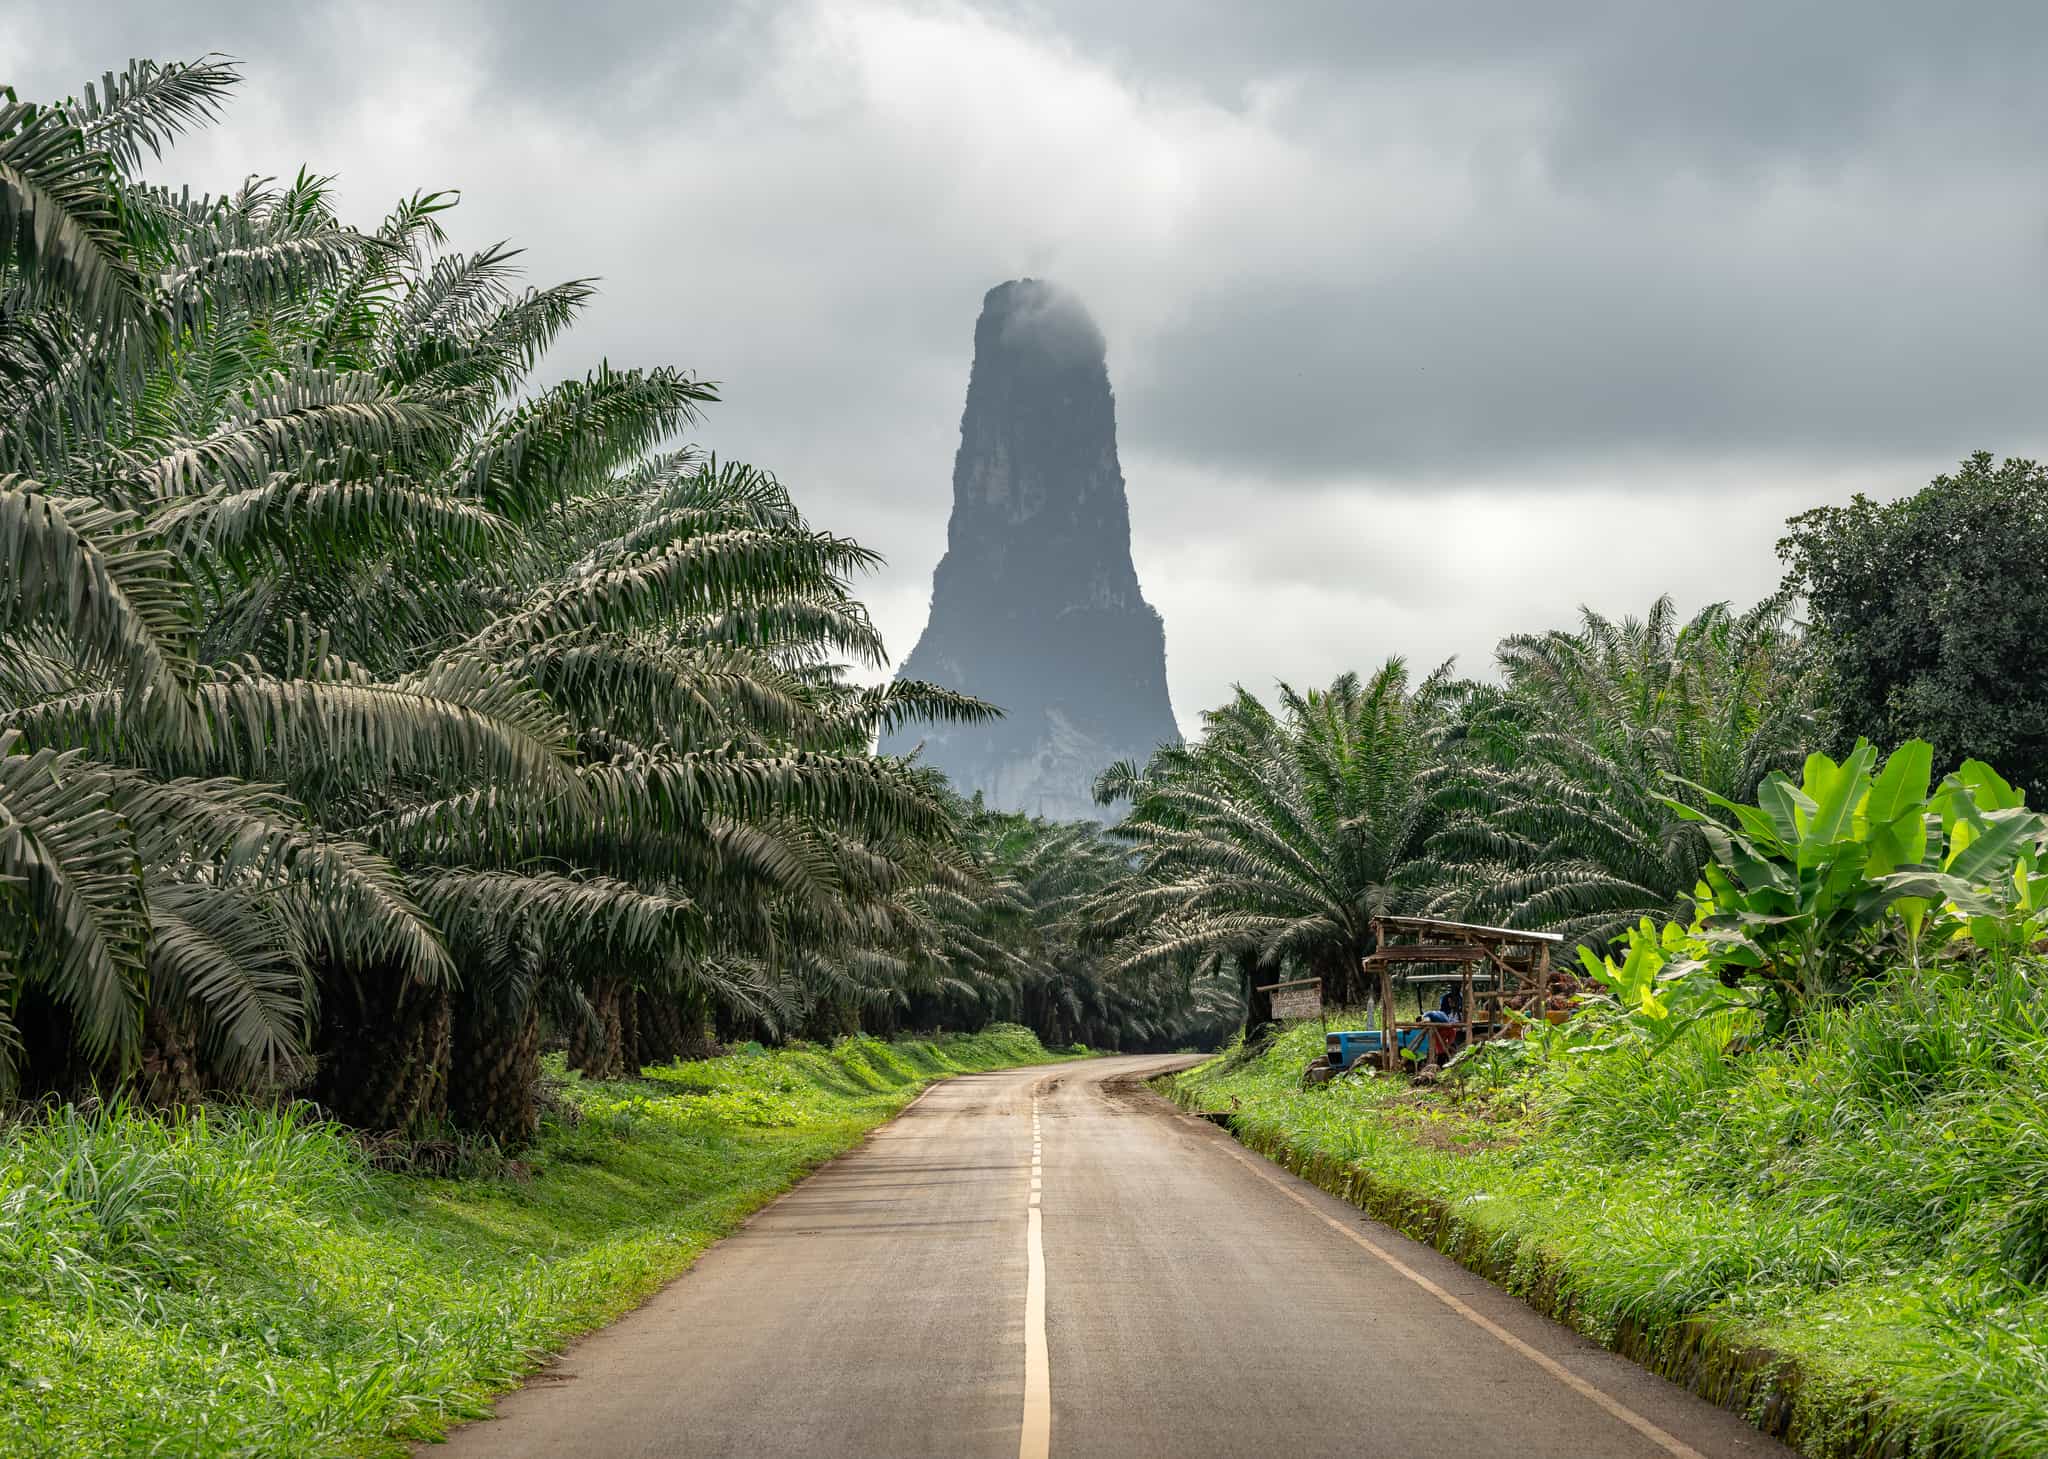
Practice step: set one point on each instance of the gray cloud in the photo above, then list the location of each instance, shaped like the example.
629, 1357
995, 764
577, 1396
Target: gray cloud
1057, 323
1736, 84
1855, 322
1374, 276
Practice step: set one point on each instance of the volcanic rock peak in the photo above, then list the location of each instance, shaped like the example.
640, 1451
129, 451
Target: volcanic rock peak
1036, 604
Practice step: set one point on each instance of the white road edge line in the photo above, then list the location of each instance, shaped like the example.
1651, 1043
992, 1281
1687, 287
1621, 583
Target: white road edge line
1034, 1440
1669, 1443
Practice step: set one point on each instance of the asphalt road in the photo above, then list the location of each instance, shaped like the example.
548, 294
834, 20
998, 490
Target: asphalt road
1056, 1261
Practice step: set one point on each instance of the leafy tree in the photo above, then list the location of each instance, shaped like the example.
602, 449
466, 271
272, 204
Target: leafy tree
1929, 615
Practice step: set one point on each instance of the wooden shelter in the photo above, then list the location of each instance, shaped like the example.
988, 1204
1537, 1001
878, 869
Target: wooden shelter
1500, 964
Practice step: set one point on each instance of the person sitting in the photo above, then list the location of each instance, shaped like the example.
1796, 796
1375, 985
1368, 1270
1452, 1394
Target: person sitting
1449, 1009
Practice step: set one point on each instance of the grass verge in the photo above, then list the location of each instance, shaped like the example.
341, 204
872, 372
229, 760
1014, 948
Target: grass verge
1845, 1239
241, 1282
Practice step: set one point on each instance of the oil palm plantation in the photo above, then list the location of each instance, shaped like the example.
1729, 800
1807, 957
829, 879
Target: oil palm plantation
1027, 940
363, 698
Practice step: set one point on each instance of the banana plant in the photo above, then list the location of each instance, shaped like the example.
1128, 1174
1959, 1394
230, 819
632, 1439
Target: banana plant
1990, 885
1661, 984
1809, 888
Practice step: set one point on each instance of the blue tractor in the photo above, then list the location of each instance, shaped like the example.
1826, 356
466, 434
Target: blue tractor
1344, 1049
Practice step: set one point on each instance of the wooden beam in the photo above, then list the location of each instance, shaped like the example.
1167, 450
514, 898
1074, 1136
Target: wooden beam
1438, 953
1441, 928
1520, 975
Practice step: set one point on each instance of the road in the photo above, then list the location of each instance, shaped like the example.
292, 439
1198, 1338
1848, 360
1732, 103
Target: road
1055, 1261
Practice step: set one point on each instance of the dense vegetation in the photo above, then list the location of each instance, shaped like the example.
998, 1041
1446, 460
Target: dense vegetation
375, 712
1929, 615
1558, 798
371, 710
1806, 1119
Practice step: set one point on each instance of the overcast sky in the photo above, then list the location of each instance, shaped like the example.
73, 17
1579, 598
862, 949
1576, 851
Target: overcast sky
1428, 321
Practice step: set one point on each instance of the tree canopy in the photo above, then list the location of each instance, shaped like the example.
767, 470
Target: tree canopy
1929, 615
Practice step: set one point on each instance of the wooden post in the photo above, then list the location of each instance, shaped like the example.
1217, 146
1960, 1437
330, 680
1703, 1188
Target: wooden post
1467, 1010
1389, 1054
1389, 1045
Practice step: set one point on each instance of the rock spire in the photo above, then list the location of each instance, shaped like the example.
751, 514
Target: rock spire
1036, 605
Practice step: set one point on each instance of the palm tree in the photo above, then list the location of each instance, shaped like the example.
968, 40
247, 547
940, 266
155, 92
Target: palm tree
1270, 844
362, 699
1557, 786
149, 887
1023, 940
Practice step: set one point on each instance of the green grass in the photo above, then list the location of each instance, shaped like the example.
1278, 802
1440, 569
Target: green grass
1869, 1205
241, 1282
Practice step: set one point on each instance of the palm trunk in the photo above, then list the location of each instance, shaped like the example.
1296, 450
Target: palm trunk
611, 1050
170, 1074
1343, 978
494, 1069
632, 1057
831, 1020
661, 1027
382, 1051
673, 1026
1259, 1024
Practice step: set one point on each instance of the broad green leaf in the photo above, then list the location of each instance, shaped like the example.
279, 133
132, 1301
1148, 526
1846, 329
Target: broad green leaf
1993, 791
1989, 852
1914, 911
1787, 806
1836, 792
1818, 775
1996, 931
1901, 789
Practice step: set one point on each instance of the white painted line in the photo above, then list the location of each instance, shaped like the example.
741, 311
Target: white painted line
1034, 1441
1669, 1443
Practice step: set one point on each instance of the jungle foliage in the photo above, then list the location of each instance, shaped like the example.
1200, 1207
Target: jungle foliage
374, 710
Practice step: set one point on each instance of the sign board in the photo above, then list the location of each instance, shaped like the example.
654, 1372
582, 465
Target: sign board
1303, 999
